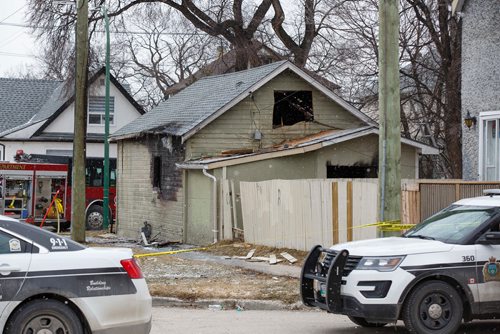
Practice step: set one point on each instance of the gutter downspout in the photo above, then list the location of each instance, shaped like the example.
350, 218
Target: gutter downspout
214, 203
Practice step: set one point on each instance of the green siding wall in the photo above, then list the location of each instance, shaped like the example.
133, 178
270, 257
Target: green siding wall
234, 129
198, 208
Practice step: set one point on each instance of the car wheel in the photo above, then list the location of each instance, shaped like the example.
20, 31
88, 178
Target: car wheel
433, 307
44, 316
95, 218
365, 323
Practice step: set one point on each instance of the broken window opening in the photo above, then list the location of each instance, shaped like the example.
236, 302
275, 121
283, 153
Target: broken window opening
157, 172
291, 107
351, 172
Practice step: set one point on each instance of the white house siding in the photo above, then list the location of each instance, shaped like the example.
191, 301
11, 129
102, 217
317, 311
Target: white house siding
124, 113
480, 68
138, 202
94, 150
234, 129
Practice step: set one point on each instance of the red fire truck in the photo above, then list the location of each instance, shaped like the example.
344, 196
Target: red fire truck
40, 193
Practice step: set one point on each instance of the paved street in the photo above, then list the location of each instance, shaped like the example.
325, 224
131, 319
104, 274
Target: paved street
196, 321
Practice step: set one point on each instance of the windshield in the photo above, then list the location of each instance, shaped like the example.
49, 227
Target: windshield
453, 224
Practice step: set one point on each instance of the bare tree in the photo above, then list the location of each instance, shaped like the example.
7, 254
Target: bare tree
430, 68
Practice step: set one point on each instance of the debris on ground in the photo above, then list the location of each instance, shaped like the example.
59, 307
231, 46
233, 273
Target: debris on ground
208, 273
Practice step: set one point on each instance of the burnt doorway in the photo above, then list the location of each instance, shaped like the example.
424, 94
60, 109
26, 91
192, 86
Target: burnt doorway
351, 172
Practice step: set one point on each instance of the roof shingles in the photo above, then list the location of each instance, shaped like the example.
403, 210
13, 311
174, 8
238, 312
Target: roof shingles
185, 110
20, 99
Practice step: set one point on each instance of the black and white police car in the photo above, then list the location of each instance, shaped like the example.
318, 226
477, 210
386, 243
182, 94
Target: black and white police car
441, 272
52, 285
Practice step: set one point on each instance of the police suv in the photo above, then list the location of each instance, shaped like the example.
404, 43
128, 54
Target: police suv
50, 284
444, 270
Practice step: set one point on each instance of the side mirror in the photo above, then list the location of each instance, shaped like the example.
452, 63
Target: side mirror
489, 238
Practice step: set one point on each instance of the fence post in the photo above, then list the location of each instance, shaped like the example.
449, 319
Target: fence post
335, 213
349, 211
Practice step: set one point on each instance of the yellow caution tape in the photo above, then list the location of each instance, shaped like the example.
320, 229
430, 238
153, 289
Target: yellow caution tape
390, 225
170, 252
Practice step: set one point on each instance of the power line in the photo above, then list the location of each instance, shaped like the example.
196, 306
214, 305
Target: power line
11, 54
102, 31
5, 18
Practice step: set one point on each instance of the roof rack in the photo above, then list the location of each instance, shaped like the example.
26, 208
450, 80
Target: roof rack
491, 192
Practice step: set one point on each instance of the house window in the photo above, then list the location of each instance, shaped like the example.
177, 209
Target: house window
157, 172
292, 107
97, 110
489, 144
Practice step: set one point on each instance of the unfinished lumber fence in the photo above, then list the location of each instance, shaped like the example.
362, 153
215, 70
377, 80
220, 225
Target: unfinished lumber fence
299, 214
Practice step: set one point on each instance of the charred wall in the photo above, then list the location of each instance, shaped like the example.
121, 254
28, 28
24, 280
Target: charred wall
165, 177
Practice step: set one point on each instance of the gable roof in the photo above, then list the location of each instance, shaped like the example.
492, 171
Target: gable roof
20, 99
55, 102
193, 108
226, 63
297, 146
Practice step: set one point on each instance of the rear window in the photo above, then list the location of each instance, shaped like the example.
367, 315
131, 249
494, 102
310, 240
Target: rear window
49, 240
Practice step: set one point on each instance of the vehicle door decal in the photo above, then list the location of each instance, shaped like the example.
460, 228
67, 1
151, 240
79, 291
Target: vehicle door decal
491, 270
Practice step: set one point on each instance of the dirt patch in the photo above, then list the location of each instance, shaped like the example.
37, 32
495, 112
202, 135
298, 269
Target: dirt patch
209, 278
170, 276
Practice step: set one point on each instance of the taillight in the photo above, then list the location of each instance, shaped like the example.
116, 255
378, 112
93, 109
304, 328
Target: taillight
132, 268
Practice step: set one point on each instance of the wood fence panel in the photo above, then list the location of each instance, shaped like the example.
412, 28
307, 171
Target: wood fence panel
435, 197
342, 214
302, 213
364, 209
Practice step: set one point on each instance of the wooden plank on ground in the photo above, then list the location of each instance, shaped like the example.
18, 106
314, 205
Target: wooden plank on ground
250, 254
290, 258
272, 259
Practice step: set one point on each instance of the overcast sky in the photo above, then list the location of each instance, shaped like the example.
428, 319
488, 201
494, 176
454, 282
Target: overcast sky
17, 46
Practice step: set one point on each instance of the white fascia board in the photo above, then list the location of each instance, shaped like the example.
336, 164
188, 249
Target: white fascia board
359, 132
24, 131
424, 148
287, 65
212, 164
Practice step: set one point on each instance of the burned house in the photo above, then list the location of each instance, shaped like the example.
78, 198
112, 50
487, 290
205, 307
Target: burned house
271, 122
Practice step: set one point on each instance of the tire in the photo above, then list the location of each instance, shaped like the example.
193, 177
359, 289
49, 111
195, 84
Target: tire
95, 218
365, 323
433, 307
44, 316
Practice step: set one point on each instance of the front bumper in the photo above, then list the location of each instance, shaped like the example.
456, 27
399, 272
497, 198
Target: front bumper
338, 288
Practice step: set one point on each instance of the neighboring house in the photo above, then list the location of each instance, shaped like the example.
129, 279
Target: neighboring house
226, 63
480, 87
270, 122
38, 116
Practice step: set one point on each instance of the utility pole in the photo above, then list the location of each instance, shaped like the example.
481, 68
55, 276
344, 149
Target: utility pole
389, 109
79, 154
106, 125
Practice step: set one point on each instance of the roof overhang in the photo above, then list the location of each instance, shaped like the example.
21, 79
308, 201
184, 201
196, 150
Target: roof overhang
304, 147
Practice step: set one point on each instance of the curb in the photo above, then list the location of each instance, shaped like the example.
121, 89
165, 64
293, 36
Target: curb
228, 304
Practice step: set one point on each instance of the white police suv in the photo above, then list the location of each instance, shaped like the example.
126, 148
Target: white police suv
52, 285
444, 270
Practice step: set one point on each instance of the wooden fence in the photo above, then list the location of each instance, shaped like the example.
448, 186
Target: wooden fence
299, 214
